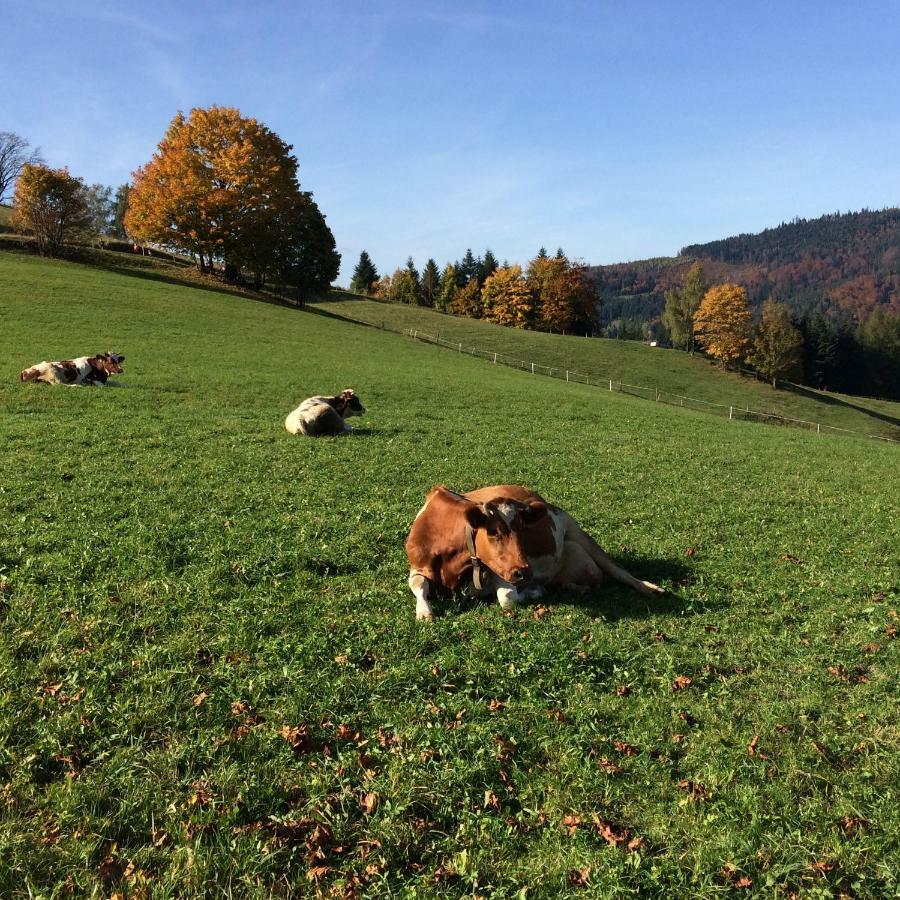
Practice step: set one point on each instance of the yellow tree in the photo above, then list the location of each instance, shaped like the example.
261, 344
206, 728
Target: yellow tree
506, 298
220, 185
467, 300
722, 323
51, 204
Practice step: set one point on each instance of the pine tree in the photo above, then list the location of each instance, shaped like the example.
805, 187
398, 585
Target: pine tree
431, 283
559, 253
681, 304
488, 265
121, 207
775, 349
364, 275
722, 323
468, 268
542, 253
415, 282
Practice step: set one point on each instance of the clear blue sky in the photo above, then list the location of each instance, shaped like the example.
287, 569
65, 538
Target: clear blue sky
617, 130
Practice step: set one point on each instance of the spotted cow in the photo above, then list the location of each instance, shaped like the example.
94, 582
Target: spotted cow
83, 370
318, 416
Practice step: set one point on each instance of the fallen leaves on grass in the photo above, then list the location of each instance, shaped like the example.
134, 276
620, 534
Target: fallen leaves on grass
571, 823
495, 705
200, 698
730, 875
682, 682
608, 766
622, 690
788, 557
580, 877
298, 737
617, 835
694, 789
540, 612
753, 748
368, 802
624, 748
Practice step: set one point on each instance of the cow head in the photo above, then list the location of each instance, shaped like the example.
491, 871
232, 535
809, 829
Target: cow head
350, 404
498, 526
112, 363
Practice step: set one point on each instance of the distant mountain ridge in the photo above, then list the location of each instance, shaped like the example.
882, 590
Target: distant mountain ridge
843, 265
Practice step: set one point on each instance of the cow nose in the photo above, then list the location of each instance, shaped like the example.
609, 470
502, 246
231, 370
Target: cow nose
520, 575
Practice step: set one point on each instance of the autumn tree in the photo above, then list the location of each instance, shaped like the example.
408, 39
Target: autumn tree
364, 275
382, 288
722, 323
564, 295
15, 154
776, 344
405, 285
681, 304
506, 299
431, 283
467, 300
448, 289
222, 187
51, 204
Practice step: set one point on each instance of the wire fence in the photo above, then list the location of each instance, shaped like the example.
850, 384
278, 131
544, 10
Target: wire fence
733, 413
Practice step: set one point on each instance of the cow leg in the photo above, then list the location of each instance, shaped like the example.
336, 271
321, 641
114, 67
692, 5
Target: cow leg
421, 588
576, 568
575, 534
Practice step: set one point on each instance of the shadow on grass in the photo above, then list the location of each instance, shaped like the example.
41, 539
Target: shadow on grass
830, 400
611, 601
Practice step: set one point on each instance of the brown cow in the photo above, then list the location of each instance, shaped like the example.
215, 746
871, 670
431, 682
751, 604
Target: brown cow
503, 540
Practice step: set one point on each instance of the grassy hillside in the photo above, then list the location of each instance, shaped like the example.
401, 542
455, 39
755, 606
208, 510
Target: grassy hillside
628, 361
212, 674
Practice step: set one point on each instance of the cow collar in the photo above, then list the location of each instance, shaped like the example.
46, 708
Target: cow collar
479, 569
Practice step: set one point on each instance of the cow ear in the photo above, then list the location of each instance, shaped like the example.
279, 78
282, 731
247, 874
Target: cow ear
477, 516
534, 512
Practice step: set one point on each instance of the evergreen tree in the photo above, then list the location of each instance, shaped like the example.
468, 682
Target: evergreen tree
431, 283
120, 203
559, 253
879, 339
681, 304
488, 265
542, 253
412, 274
819, 350
776, 346
468, 268
364, 275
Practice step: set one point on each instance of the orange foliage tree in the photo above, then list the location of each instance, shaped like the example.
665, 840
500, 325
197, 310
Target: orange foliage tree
722, 323
467, 300
506, 298
221, 186
51, 204
565, 296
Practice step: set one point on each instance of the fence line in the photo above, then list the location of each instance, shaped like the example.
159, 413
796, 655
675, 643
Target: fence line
732, 412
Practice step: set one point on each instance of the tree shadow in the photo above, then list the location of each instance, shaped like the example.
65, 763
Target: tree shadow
831, 400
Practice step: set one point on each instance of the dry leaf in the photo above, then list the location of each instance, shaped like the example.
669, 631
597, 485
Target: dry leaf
198, 700
681, 682
608, 766
368, 803
580, 877
624, 748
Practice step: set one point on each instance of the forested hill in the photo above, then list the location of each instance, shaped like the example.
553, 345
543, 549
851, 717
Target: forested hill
843, 265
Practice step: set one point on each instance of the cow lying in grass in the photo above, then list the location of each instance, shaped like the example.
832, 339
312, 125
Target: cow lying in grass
324, 415
503, 540
83, 370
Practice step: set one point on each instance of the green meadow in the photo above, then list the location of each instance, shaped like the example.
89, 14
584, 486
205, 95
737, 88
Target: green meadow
673, 372
213, 682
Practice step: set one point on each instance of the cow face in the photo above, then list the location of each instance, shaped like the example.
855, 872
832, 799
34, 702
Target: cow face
112, 363
351, 405
499, 526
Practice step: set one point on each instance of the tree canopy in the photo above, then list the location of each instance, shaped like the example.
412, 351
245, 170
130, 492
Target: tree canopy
775, 347
51, 204
224, 187
364, 275
15, 154
722, 323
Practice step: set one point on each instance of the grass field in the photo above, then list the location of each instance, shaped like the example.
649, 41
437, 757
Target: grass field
213, 683
630, 361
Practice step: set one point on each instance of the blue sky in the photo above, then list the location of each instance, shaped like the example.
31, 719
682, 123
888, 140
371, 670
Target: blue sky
617, 130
